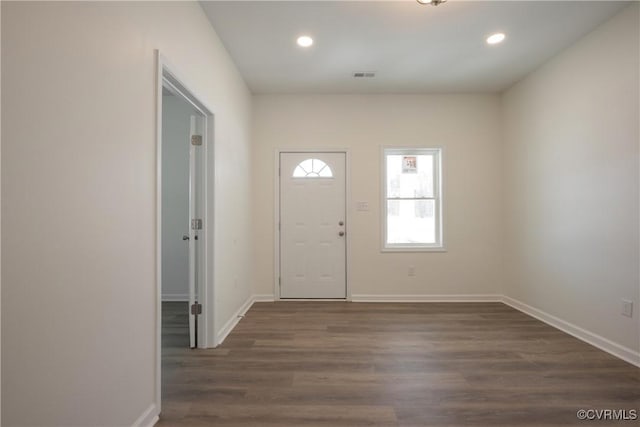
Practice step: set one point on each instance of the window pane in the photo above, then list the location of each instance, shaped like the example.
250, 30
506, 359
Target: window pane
411, 221
409, 175
312, 168
325, 172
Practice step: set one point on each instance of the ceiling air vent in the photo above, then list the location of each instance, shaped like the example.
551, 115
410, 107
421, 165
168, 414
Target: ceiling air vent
364, 74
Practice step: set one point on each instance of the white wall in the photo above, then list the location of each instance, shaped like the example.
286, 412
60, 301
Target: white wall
176, 116
78, 211
468, 127
571, 183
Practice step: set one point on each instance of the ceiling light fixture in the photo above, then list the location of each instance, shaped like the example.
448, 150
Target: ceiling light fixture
496, 38
304, 41
431, 2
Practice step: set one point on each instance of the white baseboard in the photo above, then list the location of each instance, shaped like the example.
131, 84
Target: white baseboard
313, 299
621, 352
426, 298
148, 418
233, 321
263, 298
175, 297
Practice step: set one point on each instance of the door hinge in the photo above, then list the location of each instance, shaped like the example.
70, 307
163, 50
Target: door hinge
196, 224
196, 308
279, 281
196, 139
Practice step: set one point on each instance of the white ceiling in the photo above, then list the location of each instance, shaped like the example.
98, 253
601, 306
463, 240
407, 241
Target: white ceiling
412, 48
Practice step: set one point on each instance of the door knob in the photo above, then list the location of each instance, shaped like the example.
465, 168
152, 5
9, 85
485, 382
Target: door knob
185, 237
341, 233
341, 223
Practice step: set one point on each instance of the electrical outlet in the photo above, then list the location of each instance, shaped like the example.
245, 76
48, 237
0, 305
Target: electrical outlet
627, 308
412, 271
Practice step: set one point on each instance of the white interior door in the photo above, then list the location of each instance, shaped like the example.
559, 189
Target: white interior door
313, 225
196, 237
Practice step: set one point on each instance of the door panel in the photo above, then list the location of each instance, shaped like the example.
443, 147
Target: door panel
196, 237
312, 206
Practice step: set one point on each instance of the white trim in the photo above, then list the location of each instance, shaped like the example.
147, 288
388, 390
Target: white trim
209, 230
315, 299
427, 298
276, 215
158, 355
414, 249
148, 418
625, 353
175, 297
235, 318
348, 218
276, 226
263, 298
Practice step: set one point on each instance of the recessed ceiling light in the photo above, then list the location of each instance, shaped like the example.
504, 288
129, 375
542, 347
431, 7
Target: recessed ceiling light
304, 41
496, 38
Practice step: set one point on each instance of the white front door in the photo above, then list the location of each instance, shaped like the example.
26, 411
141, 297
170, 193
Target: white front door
313, 225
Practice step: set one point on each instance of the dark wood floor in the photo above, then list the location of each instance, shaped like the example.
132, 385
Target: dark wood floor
356, 364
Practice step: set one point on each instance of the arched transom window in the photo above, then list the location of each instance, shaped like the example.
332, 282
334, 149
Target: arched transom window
312, 168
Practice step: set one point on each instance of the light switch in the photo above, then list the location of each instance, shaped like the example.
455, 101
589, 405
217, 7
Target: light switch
627, 308
362, 206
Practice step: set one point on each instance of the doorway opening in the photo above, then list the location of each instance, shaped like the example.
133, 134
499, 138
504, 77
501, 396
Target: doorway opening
181, 217
184, 223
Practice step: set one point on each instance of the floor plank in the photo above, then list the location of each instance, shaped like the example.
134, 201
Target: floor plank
360, 364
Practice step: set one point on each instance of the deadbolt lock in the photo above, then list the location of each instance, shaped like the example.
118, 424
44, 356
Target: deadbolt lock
341, 223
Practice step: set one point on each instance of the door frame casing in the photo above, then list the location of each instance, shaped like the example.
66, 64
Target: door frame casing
165, 71
276, 219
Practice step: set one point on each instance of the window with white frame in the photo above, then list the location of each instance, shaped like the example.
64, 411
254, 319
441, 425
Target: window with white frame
412, 198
